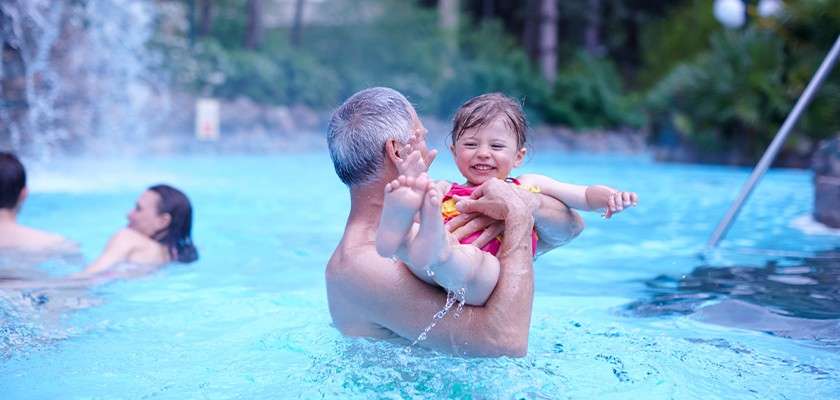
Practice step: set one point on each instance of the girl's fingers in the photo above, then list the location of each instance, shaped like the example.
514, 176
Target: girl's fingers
489, 233
476, 224
458, 221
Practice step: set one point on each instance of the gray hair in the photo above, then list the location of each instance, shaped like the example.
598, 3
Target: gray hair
359, 129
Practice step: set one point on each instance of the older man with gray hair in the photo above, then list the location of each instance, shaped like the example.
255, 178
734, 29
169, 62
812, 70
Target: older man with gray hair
369, 137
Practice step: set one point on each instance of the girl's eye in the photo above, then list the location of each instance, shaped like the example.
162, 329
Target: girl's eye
469, 145
498, 146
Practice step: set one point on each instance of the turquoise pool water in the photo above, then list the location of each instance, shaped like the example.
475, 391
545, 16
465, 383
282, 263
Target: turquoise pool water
627, 310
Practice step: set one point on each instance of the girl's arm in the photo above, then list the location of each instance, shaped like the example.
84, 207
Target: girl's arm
573, 196
586, 198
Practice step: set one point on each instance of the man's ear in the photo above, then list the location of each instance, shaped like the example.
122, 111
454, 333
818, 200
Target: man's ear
520, 155
22, 196
391, 152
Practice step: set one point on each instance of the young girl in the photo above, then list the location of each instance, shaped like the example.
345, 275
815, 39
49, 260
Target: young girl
488, 137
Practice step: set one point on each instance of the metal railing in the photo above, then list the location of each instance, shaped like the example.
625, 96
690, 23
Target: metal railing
776, 144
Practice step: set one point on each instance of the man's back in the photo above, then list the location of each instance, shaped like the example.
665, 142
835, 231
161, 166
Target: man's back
21, 238
346, 288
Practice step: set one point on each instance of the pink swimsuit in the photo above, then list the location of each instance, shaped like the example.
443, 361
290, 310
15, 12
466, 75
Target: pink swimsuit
448, 211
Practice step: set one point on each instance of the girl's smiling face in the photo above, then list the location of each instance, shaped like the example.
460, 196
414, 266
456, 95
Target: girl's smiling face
489, 151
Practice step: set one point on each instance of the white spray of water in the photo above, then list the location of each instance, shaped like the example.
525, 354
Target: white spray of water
87, 73
451, 299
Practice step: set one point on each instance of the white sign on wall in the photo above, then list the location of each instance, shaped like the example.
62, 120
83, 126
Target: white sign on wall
207, 119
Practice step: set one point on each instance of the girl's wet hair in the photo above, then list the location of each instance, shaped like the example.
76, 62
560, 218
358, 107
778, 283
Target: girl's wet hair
482, 110
177, 237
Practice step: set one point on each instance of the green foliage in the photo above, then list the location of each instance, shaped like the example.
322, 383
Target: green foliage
739, 91
488, 61
733, 93
400, 48
809, 29
676, 38
720, 90
397, 44
588, 93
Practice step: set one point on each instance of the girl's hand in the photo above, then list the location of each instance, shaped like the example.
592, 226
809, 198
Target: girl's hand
618, 201
414, 165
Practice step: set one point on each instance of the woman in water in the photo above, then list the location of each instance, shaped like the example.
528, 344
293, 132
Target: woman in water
159, 231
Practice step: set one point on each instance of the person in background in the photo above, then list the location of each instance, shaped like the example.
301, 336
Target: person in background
159, 231
15, 237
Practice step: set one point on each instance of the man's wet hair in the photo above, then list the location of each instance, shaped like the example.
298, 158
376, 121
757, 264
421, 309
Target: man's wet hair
359, 129
12, 180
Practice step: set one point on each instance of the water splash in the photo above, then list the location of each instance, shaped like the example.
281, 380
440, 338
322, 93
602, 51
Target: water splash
451, 299
76, 73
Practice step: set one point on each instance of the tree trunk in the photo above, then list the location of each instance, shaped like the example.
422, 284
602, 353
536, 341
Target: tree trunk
593, 28
205, 15
448, 20
297, 24
253, 35
548, 40
530, 39
487, 9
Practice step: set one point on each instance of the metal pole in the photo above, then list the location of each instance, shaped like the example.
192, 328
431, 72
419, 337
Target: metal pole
776, 144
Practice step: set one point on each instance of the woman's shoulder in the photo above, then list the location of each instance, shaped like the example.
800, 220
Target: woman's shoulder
139, 248
127, 234
127, 237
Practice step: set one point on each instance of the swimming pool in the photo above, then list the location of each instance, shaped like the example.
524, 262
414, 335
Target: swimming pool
615, 312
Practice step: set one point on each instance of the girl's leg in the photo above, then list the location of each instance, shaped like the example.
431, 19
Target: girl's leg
453, 265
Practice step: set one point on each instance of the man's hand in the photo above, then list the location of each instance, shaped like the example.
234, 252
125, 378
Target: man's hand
466, 224
498, 200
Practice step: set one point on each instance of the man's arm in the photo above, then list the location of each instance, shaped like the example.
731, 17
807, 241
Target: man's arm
392, 297
555, 220
556, 223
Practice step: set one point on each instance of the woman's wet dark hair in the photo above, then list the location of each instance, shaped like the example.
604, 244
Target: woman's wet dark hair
177, 237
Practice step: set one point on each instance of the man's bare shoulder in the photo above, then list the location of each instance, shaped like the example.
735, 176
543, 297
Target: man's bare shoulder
19, 237
351, 289
351, 267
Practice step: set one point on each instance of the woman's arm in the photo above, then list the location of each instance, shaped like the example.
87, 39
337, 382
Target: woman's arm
117, 250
